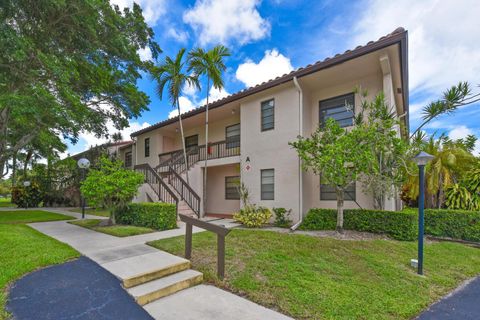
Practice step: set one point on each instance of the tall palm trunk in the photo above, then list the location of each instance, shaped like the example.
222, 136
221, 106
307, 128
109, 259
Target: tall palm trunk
183, 140
206, 152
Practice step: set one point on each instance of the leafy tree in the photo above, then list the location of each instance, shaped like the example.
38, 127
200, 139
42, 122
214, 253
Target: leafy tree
339, 155
172, 74
67, 67
111, 185
390, 152
210, 64
452, 159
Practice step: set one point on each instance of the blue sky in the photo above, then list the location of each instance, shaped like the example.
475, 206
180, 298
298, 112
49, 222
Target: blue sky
268, 38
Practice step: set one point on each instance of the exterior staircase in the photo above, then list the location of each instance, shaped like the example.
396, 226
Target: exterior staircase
155, 275
167, 180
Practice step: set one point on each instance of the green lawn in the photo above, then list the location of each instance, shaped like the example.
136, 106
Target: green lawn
28, 216
93, 211
5, 203
115, 230
322, 278
24, 249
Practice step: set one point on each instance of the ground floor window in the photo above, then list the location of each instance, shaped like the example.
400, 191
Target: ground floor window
232, 185
128, 159
267, 184
327, 192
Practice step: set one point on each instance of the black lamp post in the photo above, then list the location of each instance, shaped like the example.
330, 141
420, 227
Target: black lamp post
421, 160
83, 164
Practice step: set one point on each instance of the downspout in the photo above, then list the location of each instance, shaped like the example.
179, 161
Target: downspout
300, 172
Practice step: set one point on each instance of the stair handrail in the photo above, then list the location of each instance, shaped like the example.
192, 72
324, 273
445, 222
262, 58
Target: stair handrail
152, 178
191, 198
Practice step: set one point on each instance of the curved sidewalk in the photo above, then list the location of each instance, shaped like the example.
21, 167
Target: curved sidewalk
130, 255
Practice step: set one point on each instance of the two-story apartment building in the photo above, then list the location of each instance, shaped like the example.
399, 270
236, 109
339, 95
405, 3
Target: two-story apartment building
249, 132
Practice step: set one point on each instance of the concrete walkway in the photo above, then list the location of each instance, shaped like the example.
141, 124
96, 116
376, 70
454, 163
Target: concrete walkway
130, 256
463, 303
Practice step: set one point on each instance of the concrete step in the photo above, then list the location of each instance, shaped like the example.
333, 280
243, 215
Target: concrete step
136, 270
156, 289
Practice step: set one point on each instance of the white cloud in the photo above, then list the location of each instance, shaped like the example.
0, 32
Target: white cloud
189, 90
88, 139
220, 21
273, 64
152, 9
188, 104
179, 35
461, 132
145, 54
185, 105
444, 45
215, 94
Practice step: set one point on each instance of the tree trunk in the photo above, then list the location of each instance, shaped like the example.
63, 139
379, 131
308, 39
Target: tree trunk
112, 216
183, 140
14, 170
206, 151
340, 200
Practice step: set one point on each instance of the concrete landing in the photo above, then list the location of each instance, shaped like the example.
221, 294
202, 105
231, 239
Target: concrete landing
208, 302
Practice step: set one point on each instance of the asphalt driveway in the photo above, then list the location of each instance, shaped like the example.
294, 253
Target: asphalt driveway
78, 289
463, 303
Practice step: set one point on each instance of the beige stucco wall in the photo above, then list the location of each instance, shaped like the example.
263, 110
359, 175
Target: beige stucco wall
156, 145
373, 84
216, 131
270, 149
216, 202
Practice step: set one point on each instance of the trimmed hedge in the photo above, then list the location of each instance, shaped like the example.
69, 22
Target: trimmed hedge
159, 216
400, 225
456, 224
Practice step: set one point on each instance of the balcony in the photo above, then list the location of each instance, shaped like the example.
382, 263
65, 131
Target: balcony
215, 150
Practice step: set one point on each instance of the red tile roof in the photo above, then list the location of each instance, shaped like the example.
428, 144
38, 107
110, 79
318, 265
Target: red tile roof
399, 35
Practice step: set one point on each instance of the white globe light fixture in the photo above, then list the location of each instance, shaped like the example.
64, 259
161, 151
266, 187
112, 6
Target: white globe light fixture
26, 183
83, 163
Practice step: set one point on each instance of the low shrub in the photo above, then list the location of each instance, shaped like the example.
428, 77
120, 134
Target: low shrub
159, 216
282, 217
30, 196
400, 225
457, 224
253, 216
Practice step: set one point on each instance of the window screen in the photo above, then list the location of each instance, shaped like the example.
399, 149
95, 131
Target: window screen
128, 159
341, 109
268, 115
267, 184
232, 136
231, 188
147, 147
327, 192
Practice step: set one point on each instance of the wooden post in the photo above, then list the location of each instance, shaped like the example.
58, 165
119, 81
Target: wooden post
188, 241
220, 256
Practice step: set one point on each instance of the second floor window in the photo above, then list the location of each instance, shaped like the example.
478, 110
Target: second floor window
340, 109
147, 147
268, 115
191, 141
267, 184
128, 159
232, 136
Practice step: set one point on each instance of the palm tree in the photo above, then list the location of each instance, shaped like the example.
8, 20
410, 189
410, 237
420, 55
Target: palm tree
210, 64
451, 160
171, 73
